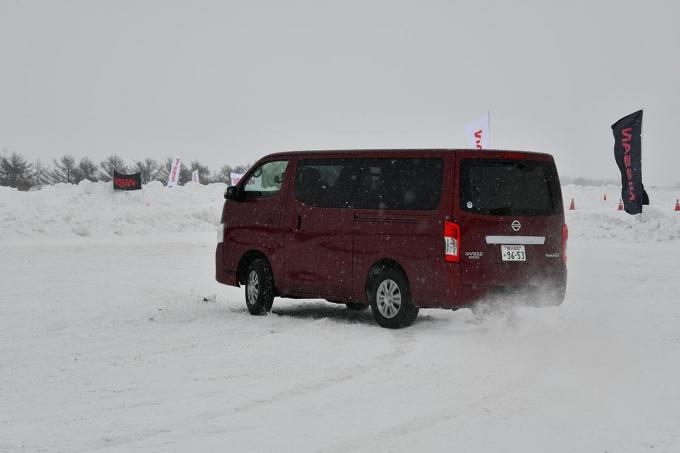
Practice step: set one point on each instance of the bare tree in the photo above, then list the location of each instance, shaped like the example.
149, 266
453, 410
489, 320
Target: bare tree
149, 168
86, 170
184, 174
15, 171
164, 170
222, 175
203, 171
242, 168
111, 164
64, 170
41, 174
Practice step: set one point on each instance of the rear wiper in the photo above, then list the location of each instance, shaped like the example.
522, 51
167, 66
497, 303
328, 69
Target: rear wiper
503, 210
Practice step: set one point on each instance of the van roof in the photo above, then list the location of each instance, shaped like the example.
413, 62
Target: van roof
429, 151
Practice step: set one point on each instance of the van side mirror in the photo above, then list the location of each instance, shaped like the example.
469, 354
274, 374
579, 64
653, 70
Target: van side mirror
231, 193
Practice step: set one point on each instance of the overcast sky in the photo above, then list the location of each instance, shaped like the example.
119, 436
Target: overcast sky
228, 82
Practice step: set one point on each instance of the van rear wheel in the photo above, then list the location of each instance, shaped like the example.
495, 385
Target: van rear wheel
259, 287
391, 300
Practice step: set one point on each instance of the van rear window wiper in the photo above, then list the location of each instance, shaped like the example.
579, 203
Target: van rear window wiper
502, 210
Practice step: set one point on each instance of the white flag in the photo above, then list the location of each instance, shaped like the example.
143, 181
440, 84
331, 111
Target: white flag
478, 132
235, 178
194, 176
173, 177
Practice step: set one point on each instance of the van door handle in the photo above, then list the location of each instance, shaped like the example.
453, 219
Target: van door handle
298, 223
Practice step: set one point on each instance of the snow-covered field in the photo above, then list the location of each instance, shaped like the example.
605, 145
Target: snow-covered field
115, 337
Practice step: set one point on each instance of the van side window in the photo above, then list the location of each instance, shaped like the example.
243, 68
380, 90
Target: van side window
399, 184
392, 184
326, 183
266, 180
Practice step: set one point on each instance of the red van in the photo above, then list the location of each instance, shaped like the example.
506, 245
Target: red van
397, 230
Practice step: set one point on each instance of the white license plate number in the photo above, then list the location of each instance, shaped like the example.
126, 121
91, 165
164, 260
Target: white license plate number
513, 253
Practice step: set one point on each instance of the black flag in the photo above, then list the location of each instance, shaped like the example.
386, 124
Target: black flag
628, 155
127, 182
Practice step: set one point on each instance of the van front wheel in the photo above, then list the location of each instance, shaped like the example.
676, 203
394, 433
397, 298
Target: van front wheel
391, 300
259, 287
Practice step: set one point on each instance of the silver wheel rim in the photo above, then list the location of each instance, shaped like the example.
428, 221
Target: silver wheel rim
388, 298
253, 287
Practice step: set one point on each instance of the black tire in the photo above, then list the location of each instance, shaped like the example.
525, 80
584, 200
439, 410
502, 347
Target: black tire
259, 287
353, 306
390, 298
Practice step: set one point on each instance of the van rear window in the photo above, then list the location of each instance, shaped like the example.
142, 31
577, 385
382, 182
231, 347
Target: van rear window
509, 187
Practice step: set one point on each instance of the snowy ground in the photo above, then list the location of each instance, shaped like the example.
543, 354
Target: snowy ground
123, 342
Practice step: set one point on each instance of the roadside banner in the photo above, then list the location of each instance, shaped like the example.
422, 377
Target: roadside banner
127, 182
173, 177
234, 178
478, 132
194, 176
628, 154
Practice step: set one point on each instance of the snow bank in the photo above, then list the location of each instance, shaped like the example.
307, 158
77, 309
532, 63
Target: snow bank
95, 210
116, 350
597, 219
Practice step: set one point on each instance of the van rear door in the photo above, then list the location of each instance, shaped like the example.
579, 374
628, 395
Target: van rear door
509, 208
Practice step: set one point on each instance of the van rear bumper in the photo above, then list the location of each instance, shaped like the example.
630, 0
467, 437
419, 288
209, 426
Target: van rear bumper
221, 275
469, 295
450, 292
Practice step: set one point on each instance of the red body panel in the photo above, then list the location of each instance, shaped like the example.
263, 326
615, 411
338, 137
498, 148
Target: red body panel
254, 226
318, 245
481, 263
327, 253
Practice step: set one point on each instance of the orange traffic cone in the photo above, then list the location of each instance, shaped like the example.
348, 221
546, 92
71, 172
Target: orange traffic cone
571, 206
677, 204
605, 197
620, 205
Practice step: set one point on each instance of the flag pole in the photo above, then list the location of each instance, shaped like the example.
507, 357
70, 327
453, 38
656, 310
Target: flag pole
488, 116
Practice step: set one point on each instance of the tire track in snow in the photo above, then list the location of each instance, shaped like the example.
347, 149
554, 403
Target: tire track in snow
384, 439
401, 346
353, 372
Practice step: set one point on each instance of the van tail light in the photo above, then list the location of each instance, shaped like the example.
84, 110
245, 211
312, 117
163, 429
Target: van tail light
451, 241
220, 233
565, 236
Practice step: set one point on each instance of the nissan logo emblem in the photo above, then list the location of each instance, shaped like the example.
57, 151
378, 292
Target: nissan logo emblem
516, 225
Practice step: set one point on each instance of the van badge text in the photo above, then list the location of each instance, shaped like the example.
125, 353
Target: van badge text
474, 255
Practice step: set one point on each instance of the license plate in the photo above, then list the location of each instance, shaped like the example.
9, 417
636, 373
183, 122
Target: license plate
513, 253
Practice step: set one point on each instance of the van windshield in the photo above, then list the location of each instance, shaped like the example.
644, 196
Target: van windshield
509, 187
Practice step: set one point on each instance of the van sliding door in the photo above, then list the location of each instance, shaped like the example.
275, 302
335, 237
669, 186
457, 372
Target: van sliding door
318, 231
